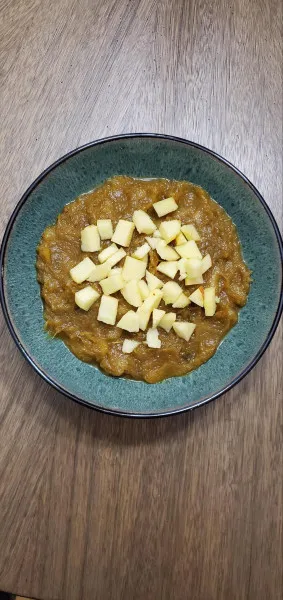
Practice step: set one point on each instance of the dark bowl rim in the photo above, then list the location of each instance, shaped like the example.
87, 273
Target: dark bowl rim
52, 382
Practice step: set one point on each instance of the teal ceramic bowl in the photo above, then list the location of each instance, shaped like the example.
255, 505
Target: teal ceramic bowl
141, 155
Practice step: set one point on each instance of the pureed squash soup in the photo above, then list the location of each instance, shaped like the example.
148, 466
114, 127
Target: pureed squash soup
140, 290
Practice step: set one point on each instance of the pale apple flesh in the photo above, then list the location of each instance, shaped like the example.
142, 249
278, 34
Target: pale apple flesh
141, 288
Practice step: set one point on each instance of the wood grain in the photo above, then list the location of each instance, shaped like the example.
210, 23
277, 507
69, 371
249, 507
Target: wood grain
95, 507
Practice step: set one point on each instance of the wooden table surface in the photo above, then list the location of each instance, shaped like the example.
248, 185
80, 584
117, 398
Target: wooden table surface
94, 507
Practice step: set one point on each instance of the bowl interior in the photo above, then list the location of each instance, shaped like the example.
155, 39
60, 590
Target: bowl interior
141, 156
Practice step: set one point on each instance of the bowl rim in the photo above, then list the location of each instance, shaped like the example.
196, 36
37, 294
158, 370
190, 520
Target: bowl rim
49, 379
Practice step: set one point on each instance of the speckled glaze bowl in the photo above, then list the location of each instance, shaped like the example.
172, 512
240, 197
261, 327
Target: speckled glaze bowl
141, 155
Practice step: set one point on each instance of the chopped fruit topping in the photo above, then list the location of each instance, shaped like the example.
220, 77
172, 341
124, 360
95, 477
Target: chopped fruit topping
116, 271
190, 232
169, 230
152, 301
166, 252
171, 292
194, 280
123, 233
157, 316
86, 297
182, 301
189, 250
143, 316
133, 269
145, 296
183, 329
169, 268
115, 258
152, 242
143, 222
167, 321
108, 310
142, 251
90, 240
152, 338
153, 282
143, 288
105, 229
129, 322
209, 302
164, 207
99, 272
107, 253
180, 239
82, 270
194, 268
197, 297
112, 284
206, 263
131, 293
182, 264
129, 346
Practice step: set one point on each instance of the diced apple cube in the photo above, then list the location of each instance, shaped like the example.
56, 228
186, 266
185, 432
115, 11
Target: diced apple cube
182, 301
206, 263
194, 267
152, 338
143, 222
171, 292
152, 301
123, 233
143, 316
189, 250
168, 268
108, 310
182, 267
129, 322
180, 239
82, 270
90, 240
157, 315
209, 302
142, 251
131, 293
152, 241
86, 297
116, 271
143, 288
115, 258
194, 280
169, 230
153, 282
167, 321
112, 284
190, 232
156, 234
99, 272
133, 269
197, 297
129, 346
107, 253
183, 329
164, 207
105, 229
166, 252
